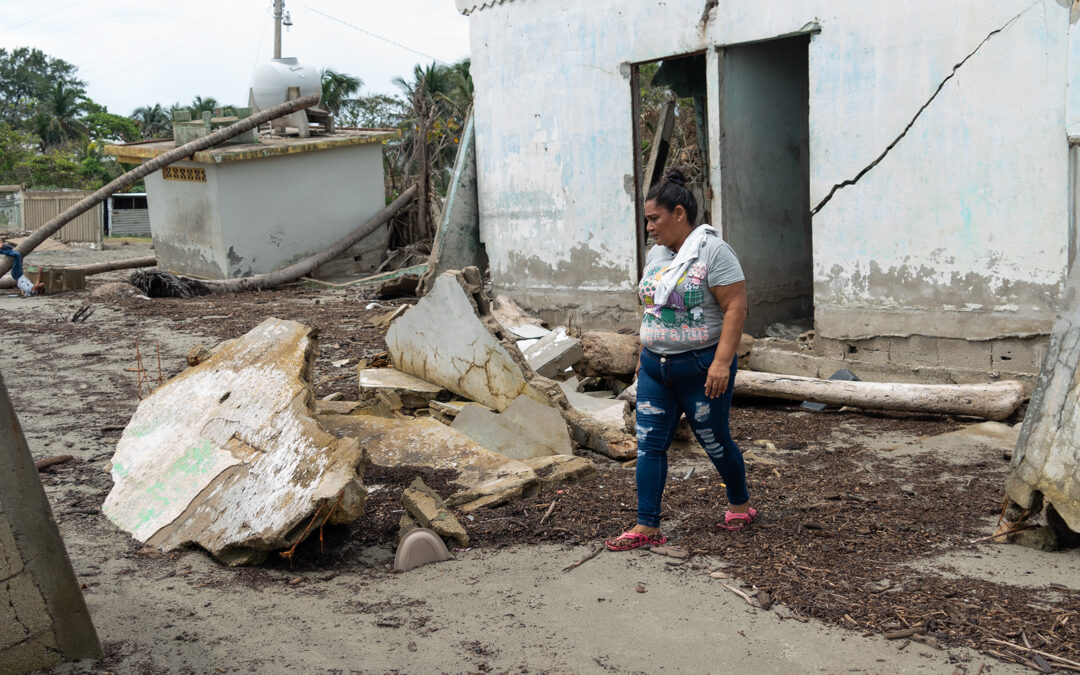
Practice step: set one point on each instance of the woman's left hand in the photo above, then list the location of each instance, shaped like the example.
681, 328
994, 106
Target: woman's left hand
716, 381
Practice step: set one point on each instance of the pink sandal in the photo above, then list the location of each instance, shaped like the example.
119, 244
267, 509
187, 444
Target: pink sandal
629, 540
734, 522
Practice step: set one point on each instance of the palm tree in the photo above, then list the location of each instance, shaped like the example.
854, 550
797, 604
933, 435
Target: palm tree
199, 105
153, 121
338, 89
58, 123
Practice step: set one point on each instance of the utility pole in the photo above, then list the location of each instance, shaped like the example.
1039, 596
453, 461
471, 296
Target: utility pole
279, 6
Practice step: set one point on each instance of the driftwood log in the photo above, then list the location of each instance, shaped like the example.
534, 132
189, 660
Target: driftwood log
995, 401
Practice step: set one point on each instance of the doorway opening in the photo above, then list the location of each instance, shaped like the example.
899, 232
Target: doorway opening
670, 131
764, 153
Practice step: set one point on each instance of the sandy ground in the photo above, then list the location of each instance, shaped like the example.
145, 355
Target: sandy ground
506, 610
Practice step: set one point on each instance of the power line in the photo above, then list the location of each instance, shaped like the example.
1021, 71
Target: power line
376, 36
210, 32
43, 16
107, 61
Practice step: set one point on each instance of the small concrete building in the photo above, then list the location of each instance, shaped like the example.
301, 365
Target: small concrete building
240, 210
901, 172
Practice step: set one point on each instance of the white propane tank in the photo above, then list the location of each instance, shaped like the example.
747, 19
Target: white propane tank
272, 79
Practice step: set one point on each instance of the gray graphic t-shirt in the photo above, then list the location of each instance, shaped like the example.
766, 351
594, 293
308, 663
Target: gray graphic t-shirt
691, 318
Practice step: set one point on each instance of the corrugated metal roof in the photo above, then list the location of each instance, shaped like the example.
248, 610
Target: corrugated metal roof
469, 6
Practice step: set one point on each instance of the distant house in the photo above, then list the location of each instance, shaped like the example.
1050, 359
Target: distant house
128, 215
900, 172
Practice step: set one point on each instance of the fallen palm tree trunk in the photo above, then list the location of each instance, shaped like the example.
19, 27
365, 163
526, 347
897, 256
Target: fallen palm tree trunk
146, 282
97, 268
176, 154
130, 263
995, 401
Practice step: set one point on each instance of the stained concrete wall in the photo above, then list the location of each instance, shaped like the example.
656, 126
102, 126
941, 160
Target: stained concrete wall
938, 153
256, 216
43, 618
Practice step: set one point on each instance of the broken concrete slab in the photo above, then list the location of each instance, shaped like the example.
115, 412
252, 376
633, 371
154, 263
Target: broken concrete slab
457, 240
554, 353
555, 470
413, 391
1047, 458
483, 474
542, 423
610, 412
228, 455
499, 433
428, 508
419, 547
608, 354
462, 354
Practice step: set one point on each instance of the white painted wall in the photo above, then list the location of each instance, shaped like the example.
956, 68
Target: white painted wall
256, 216
965, 217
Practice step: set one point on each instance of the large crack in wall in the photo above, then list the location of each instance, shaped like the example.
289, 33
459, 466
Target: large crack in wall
865, 170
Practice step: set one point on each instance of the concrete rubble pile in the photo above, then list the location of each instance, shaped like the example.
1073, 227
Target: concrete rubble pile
235, 456
492, 353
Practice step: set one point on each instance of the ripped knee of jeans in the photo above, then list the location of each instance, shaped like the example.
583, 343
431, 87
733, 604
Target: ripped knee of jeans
647, 408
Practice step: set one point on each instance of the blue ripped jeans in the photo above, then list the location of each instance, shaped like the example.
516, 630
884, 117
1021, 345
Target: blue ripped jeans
16, 263
668, 386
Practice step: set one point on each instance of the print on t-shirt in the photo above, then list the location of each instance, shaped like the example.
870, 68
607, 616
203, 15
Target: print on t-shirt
682, 319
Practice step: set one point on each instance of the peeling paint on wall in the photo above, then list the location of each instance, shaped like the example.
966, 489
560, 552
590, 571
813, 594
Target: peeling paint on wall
968, 215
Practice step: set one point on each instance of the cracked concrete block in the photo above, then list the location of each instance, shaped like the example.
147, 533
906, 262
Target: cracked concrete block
556, 470
27, 656
965, 354
427, 442
542, 423
916, 350
1047, 457
414, 392
10, 562
25, 599
1023, 355
428, 508
498, 434
43, 617
228, 455
11, 631
554, 353
443, 340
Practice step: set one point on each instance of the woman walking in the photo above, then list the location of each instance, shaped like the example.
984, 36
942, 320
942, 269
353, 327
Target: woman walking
694, 295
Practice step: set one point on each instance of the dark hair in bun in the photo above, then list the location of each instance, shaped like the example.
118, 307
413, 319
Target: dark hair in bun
672, 192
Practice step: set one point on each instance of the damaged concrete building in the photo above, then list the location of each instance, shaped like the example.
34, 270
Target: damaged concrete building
904, 173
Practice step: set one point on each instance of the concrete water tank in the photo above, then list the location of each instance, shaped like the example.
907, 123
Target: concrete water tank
272, 79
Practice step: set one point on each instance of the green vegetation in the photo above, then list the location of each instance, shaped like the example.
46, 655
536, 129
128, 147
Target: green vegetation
52, 135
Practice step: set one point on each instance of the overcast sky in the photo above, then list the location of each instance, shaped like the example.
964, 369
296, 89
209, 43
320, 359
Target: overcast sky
134, 53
